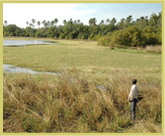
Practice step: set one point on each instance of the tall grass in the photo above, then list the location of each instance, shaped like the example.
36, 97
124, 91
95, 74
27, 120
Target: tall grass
59, 104
156, 48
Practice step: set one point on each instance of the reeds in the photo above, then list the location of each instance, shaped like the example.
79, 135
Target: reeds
48, 104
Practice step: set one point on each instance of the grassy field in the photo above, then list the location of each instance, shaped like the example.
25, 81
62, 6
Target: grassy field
85, 56
44, 103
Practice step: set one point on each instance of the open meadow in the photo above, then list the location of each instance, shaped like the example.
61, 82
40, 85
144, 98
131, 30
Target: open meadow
73, 102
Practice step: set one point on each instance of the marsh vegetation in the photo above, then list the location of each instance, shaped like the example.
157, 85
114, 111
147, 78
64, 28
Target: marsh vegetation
46, 103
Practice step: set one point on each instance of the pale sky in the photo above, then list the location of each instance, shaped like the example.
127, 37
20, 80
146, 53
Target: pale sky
18, 14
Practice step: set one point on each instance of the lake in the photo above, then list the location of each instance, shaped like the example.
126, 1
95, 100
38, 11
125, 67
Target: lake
13, 69
24, 42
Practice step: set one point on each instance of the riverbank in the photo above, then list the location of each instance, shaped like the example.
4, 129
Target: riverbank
25, 38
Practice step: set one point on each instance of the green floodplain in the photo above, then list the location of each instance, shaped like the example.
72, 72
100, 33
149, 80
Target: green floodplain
46, 103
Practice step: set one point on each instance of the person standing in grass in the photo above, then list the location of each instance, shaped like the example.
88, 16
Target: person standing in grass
133, 99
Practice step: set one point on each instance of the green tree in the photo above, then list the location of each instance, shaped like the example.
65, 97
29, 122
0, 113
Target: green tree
27, 23
92, 21
102, 22
38, 23
52, 23
107, 21
44, 23
33, 21
64, 22
55, 20
5, 22
131, 36
78, 21
149, 36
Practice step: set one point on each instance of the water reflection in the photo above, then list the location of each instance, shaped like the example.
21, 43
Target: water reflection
13, 69
24, 42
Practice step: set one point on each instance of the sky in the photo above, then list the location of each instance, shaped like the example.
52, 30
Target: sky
19, 13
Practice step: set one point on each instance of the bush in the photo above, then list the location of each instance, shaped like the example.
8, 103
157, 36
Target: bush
91, 37
62, 35
66, 37
55, 38
104, 41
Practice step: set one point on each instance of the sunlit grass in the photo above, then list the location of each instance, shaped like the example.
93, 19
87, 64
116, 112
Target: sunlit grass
87, 57
43, 103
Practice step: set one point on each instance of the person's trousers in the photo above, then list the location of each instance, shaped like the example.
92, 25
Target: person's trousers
132, 109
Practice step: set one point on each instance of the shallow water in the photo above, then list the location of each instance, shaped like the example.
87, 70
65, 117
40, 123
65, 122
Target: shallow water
23, 42
101, 87
13, 69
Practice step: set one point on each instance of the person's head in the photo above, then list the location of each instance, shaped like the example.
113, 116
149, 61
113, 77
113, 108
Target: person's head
134, 81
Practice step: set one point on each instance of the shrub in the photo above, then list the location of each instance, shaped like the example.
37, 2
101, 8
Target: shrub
62, 35
55, 38
91, 37
104, 41
66, 37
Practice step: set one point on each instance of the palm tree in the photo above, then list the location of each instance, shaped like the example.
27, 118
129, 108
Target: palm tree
52, 23
102, 22
78, 21
55, 20
90, 21
113, 21
71, 22
94, 21
137, 20
108, 20
5, 22
64, 22
31, 31
43, 22
122, 23
31, 25
33, 21
122, 20
128, 19
48, 23
27, 23
142, 18
38, 23
75, 22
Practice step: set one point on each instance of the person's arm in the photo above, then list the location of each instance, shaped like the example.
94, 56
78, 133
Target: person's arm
130, 94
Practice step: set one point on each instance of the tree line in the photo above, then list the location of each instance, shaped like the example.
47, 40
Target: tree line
127, 32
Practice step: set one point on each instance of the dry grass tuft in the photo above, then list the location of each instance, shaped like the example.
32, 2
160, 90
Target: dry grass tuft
155, 48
